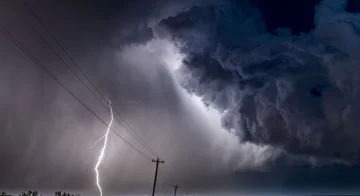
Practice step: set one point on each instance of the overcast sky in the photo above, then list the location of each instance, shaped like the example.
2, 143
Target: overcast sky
233, 95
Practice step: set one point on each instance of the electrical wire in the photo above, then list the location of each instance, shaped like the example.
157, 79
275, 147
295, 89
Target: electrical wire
119, 119
38, 63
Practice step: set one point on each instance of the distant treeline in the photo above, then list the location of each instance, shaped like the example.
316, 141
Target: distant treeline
35, 193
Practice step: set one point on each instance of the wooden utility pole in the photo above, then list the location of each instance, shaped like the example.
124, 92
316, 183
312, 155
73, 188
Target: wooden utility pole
176, 187
157, 161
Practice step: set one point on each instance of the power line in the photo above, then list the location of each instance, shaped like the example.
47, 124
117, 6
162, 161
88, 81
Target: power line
55, 10
61, 47
34, 59
58, 55
37, 62
162, 181
121, 121
167, 174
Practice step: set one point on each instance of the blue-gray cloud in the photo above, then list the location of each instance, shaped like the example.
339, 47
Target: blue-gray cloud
296, 92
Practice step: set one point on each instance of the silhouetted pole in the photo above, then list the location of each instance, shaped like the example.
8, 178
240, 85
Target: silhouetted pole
156, 170
176, 187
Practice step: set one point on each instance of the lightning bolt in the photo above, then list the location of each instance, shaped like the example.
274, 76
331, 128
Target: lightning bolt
102, 152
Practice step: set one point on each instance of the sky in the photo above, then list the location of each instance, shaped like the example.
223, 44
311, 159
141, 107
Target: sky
235, 96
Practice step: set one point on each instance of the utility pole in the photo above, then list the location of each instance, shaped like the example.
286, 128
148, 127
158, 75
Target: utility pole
157, 161
176, 187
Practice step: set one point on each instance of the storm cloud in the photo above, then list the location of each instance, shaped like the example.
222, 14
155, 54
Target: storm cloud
294, 92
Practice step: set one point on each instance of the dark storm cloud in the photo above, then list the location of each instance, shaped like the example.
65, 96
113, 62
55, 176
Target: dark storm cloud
293, 92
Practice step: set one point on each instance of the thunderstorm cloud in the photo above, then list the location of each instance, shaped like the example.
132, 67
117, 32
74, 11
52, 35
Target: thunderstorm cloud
294, 92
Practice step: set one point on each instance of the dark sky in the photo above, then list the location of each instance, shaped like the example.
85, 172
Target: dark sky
234, 95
